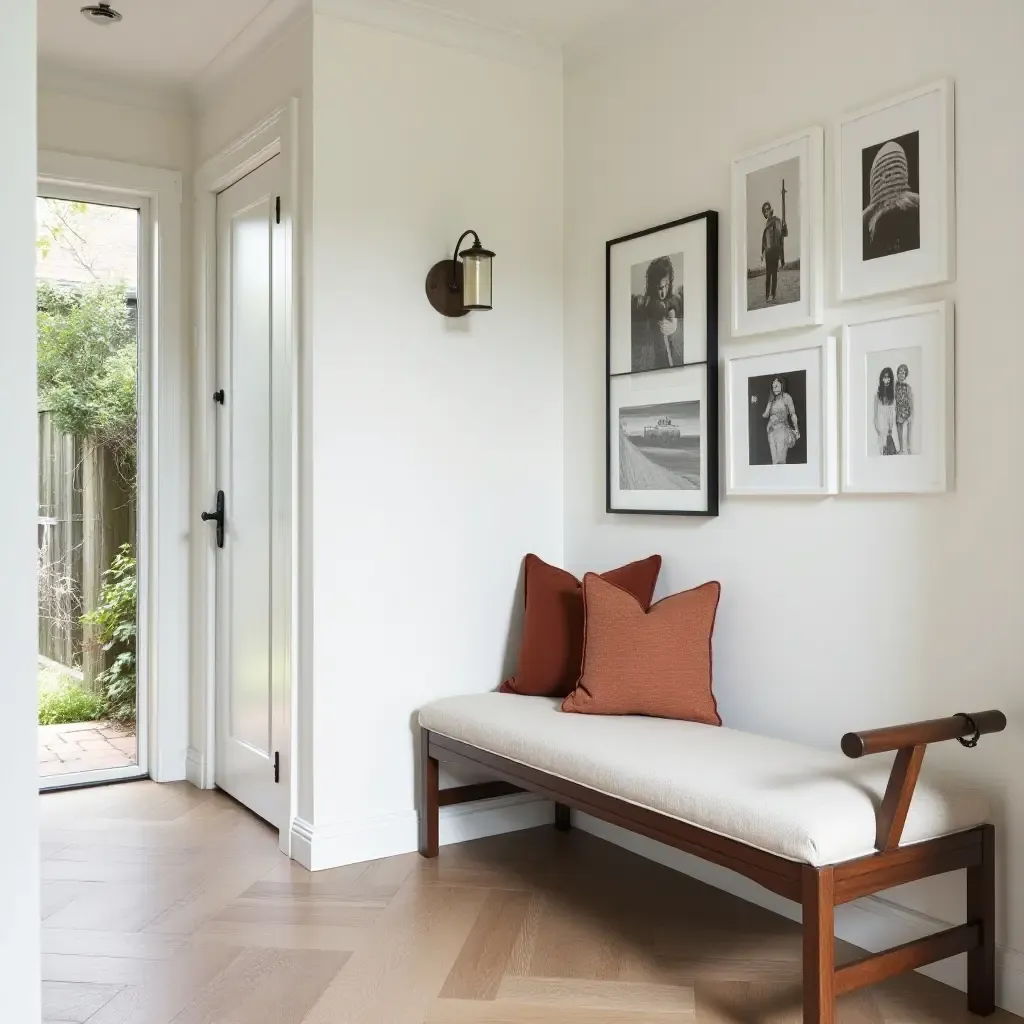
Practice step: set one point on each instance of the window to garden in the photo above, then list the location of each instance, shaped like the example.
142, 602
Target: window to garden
87, 303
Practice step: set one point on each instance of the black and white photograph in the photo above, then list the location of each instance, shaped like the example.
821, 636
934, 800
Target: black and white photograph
782, 418
898, 386
659, 287
656, 313
895, 195
778, 225
891, 196
773, 235
659, 447
898, 401
777, 419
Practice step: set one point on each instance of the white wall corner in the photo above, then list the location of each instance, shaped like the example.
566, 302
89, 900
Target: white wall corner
259, 35
353, 842
445, 29
113, 87
195, 769
872, 923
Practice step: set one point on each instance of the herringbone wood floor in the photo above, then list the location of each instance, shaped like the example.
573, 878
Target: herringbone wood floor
167, 905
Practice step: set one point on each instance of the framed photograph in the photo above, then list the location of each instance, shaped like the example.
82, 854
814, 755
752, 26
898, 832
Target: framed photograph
662, 369
658, 433
895, 194
781, 414
898, 401
777, 229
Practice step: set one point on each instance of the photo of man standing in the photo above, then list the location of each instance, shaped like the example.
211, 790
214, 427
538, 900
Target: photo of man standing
773, 250
773, 234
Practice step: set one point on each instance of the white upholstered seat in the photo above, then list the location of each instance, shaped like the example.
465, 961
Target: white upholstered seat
798, 802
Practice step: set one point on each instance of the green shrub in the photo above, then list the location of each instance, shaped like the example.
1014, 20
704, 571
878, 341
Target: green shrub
116, 618
68, 702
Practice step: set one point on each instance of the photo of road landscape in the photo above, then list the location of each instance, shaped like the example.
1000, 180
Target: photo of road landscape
659, 447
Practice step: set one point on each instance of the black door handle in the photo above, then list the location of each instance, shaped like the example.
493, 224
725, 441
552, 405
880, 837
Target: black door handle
218, 518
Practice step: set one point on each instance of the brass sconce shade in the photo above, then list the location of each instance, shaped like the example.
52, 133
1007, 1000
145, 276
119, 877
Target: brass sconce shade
455, 287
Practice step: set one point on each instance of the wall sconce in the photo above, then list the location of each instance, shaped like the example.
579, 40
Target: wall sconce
454, 287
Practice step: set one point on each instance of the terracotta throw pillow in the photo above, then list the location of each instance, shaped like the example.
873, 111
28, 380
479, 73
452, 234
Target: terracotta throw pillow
552, 649
647, 662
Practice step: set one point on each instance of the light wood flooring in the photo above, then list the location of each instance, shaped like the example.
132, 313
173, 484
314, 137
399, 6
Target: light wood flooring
168, 905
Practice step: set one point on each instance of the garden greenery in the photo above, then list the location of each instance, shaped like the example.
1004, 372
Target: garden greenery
116, 622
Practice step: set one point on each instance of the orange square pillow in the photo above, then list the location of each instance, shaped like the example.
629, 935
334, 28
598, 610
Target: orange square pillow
552, 649
647, 662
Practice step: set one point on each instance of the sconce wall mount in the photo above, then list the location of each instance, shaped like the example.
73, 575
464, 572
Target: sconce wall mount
454, 287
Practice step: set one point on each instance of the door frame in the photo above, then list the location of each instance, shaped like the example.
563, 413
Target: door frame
276, 135
163, 472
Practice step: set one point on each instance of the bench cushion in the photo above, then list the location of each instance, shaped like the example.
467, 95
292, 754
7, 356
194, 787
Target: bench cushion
805, 804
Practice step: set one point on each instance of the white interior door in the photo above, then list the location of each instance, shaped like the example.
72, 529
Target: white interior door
251, 736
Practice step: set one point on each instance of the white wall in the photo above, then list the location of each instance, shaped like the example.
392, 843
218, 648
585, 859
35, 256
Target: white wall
87, 126
436, 445
850, 612
19, 853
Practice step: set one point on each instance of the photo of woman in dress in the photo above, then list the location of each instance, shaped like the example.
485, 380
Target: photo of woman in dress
904, 409
776, 419
885, 413
783, 423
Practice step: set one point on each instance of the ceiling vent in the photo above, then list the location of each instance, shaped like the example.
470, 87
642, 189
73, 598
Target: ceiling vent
101, 14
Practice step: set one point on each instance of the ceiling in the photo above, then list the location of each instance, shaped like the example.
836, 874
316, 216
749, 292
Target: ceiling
167, 44
555, 22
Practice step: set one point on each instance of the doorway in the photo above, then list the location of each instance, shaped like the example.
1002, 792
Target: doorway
251, 721
89, 310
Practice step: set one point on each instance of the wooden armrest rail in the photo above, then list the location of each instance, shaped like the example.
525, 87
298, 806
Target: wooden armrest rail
899, 737
910, 742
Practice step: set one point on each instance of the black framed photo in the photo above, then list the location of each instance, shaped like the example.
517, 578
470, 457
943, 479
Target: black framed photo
662, 369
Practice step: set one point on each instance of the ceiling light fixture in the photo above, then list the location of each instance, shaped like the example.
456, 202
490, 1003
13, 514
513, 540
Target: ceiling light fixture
100, 14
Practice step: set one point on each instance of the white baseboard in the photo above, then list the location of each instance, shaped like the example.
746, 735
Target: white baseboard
872, 923
195, 769
318, 847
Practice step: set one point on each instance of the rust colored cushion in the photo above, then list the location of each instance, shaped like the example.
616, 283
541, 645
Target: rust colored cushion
647, 662
552, 649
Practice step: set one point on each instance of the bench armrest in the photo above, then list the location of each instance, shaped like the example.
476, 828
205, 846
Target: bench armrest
897, 737
910, 742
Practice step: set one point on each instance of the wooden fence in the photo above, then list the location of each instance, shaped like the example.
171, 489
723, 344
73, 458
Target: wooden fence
86, 512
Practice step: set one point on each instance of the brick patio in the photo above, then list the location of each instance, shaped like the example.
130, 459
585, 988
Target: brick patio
84, 747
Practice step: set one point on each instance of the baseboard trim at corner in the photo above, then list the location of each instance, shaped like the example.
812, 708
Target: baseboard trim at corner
195, 769
318, 847
873, 923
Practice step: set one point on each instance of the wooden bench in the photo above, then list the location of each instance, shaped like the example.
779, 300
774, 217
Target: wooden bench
819, 888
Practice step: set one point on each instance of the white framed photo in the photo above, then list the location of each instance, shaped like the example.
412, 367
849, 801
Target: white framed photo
777, 230
898, 401
895, 194
659, 457
781, 414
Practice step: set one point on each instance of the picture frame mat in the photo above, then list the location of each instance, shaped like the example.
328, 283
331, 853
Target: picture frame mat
679, 384
809, 146
929, 326
688, 236
820, 475
928, 110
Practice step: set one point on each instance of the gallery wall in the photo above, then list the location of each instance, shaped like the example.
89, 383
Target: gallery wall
19, 800
848, 612
436, 443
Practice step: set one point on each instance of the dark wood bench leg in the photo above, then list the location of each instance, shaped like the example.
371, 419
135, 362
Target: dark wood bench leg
981, 908
563, 820
819, 909
428, 798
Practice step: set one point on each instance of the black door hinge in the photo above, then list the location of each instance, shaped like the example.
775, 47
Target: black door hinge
277, 209
277, 766
218, 396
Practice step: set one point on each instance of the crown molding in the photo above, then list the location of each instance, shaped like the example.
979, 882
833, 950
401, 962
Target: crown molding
257, 37
409, 18
124, 90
